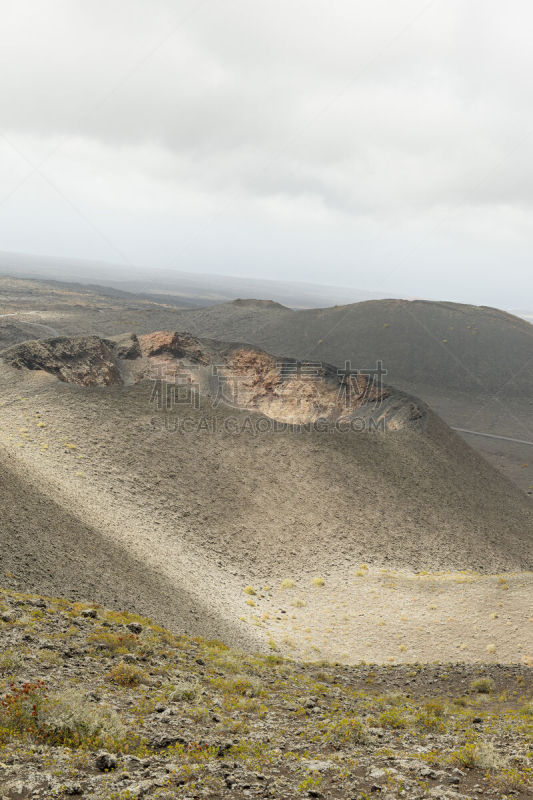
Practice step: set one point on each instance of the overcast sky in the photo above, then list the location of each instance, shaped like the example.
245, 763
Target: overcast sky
385, 145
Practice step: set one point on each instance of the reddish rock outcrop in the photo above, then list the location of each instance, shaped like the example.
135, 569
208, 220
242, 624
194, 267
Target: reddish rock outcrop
181, 345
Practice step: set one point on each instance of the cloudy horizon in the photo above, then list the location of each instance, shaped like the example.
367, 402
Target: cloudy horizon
384, 148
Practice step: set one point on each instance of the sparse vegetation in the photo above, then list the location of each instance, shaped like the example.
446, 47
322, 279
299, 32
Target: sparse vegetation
127, 675
482, 686
298, 603
317, 721
477, 753
393, 718
287, 583
72, 718
114, 643
184, 690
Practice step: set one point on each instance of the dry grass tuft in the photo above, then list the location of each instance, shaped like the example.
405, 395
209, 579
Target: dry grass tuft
482, 686
127, 675
287, 583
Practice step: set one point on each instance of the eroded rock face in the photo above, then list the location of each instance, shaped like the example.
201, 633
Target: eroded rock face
245, 377
241, 376
87, 360
127, 346
297, 392
175, 344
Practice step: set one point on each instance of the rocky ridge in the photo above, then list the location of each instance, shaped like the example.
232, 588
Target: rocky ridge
284, 389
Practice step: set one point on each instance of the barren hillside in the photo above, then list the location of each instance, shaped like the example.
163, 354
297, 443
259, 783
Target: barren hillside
471, 364
213, 496
449, 347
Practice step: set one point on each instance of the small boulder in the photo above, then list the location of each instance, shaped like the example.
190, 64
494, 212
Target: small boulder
105, 761
316, 765
134, 627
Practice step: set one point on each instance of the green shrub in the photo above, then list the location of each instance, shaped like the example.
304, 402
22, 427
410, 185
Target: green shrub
10, 662
238, 685
340, 729
480, 754
392, 718
527, 710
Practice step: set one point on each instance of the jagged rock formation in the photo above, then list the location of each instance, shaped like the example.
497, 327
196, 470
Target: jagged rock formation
241, 375
85, 360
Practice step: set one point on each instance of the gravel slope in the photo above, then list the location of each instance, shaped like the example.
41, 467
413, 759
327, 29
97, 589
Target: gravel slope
107, 498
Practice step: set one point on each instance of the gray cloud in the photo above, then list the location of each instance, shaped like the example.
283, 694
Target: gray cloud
299, 139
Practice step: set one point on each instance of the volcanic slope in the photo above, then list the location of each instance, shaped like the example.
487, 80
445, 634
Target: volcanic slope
215, 503
472, 364
441, 347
